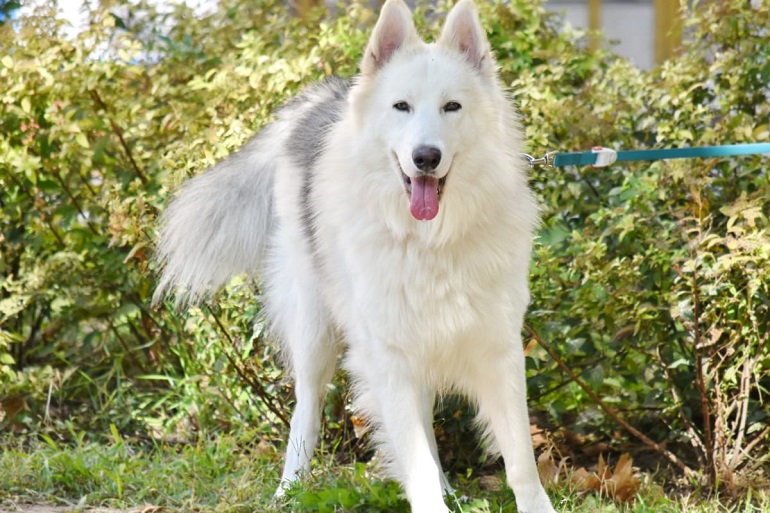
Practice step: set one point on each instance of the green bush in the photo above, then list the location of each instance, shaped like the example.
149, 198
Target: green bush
653, 279
650, 281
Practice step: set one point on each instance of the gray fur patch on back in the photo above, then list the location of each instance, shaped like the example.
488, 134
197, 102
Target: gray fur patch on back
307, 140
327, 101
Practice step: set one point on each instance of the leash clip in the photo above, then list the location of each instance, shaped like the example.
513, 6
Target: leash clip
604, 156
546, 160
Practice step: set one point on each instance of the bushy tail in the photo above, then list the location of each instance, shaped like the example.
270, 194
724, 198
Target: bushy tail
218, 224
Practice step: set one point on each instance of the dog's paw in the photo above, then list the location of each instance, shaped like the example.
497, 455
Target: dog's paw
547, 508
280, 493
533, 499
543, 506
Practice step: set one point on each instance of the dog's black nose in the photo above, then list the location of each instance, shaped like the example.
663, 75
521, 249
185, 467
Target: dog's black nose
426, 158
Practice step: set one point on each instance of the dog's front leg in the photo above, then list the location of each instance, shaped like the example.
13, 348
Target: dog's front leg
394, 398
500, 388
428, 403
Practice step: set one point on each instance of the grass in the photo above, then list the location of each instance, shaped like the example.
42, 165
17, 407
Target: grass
239, 475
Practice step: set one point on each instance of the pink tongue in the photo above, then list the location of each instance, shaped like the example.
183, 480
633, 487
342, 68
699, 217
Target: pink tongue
424, 205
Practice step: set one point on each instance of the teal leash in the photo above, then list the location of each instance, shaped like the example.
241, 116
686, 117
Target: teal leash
602, 157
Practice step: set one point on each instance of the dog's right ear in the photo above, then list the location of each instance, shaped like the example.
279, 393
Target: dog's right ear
394, 30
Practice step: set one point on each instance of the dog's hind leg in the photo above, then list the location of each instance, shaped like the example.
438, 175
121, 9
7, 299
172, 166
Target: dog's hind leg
313, 357
300, 321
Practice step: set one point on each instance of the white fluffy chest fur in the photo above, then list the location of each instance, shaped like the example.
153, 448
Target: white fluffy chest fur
425, 288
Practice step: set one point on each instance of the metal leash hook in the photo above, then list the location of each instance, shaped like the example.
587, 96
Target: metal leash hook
546, 160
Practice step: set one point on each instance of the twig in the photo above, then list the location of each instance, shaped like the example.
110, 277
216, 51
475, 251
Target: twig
74, 201
612, 412
258, 389
43, 213
757, 439
745, 386
119, 132
708, 437
125, 346
698, 347
695, 437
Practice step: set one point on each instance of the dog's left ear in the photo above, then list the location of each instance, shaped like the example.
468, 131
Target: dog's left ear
463, 32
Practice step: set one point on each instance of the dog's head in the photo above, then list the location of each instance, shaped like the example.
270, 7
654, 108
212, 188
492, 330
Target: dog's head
426, 104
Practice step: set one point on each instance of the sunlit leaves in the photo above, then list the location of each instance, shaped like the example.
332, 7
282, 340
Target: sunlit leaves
639, 269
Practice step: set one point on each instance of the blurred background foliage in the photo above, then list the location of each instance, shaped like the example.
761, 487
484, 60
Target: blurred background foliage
650, 281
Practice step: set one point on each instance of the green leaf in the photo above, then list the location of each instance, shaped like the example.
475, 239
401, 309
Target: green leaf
82, 140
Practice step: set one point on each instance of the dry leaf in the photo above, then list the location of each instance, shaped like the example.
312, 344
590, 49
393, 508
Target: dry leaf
530, 347
603, 471
585, 480
538, 435
491, 483
620, 485
626, 485
360, 426
547, 468
263, 447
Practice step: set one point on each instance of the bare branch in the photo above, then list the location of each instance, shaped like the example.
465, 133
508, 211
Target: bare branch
612, 412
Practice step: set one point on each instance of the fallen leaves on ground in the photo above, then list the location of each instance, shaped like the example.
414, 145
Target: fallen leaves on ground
619, 484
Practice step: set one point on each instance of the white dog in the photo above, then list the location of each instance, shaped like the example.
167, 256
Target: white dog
390, 220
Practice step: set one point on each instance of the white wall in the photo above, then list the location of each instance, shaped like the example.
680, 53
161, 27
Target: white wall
629, 24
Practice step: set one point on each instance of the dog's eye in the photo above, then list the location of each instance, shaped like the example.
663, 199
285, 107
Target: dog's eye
452, 107
402, 106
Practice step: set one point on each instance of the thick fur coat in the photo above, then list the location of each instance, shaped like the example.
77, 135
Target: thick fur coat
390, 222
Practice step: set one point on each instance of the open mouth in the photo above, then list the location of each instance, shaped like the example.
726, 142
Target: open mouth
424, 193
408, 184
